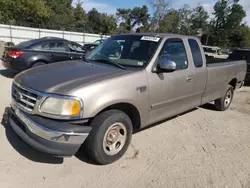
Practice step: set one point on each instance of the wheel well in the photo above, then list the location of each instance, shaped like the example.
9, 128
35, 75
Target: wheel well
130, 110
233, 83
43, 61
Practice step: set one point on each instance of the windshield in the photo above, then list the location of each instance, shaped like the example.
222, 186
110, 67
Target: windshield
126, 50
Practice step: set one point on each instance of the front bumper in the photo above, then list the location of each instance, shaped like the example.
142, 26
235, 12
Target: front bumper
63, 140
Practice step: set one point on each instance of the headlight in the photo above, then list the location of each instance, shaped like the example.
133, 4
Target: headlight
61, 107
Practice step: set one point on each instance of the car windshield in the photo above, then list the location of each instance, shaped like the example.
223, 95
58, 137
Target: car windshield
126, 50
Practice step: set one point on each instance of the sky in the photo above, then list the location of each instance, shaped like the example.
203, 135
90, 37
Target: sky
110, 6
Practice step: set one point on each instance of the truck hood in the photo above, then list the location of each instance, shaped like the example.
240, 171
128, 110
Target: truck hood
63, 77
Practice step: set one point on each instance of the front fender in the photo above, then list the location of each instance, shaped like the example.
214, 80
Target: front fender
100, 95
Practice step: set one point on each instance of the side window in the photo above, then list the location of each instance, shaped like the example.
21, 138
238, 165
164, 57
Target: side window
52, 46
43, 46
174, 50
196, 53
57, 46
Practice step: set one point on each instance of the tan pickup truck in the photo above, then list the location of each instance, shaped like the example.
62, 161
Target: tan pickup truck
128, 82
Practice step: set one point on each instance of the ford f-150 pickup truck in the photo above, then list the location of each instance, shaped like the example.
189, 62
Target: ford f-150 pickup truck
128, 82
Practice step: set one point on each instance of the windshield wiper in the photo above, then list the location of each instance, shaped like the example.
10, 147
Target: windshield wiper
110, 62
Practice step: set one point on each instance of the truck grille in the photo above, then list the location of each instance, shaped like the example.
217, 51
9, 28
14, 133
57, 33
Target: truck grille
24, 98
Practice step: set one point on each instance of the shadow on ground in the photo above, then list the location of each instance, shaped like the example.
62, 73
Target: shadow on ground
24, 149
81, 155
32, 154
208, 106
7, 73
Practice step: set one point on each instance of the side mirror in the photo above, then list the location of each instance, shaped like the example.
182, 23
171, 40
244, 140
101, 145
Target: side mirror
166, 65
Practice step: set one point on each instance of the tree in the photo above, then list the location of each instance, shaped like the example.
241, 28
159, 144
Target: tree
241, 38
131, 18
62, 14
199, 20
185, 20
228, 17
160, 9
108, 24
101, 23
169, 23
94, 22
25, 13
80, 17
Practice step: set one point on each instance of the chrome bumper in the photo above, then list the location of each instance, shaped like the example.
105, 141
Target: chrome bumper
49, 134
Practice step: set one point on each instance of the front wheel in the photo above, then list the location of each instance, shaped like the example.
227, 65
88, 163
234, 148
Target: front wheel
110, 137
224, 102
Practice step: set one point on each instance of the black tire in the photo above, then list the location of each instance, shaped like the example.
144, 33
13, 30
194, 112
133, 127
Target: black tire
221, 104
93, 145
37, 64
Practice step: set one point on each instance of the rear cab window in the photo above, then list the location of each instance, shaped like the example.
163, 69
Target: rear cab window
196, 53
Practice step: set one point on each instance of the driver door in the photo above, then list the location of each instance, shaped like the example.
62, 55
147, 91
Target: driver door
170, 93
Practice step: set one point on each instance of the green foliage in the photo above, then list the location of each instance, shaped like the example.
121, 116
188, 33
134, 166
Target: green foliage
228, 18
131, 18
79, 17
21, 12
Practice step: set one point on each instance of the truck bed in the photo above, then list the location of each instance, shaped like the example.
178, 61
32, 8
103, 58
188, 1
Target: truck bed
220, 74
217, 60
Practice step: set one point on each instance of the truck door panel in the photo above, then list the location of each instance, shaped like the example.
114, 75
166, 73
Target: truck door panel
171, 93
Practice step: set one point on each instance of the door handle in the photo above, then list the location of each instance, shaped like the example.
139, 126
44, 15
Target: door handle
190, 79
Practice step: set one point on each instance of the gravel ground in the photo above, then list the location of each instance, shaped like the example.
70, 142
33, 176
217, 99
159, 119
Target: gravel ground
201, 148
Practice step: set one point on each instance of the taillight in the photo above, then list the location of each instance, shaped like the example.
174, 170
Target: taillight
15, 54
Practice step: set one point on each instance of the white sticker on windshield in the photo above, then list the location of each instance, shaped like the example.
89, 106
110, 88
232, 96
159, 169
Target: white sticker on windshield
150, 38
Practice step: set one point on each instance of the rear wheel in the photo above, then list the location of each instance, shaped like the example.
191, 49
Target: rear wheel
224, 102
110, 137
37, 64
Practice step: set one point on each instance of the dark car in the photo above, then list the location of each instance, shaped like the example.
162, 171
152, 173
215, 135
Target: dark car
242, 54
91, 46
38, 52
